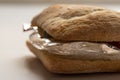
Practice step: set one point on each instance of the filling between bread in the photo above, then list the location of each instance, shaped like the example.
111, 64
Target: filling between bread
114, 45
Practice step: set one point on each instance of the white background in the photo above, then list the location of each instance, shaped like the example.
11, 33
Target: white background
16, 61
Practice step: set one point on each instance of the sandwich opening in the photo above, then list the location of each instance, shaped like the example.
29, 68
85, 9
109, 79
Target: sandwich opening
43, 33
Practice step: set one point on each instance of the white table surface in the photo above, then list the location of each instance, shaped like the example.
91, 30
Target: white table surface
16, 61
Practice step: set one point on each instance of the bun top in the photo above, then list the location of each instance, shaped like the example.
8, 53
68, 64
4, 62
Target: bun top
78, 23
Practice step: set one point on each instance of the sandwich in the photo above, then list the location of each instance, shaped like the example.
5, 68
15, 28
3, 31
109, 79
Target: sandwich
77, 39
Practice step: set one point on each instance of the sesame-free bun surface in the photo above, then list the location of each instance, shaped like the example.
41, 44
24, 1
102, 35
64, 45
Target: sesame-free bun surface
79, 23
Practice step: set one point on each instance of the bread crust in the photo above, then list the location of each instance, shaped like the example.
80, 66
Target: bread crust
79, 23
57, 64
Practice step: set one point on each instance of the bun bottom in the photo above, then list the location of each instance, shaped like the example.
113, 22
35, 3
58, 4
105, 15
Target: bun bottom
58, 64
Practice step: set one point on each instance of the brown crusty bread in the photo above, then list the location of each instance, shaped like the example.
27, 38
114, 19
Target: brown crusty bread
66, 65
79, 23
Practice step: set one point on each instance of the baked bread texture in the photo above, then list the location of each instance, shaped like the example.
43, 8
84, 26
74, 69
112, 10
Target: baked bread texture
77, 27
65, 64
79, 23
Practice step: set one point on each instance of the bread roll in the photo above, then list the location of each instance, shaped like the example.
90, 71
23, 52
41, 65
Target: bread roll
79, 23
